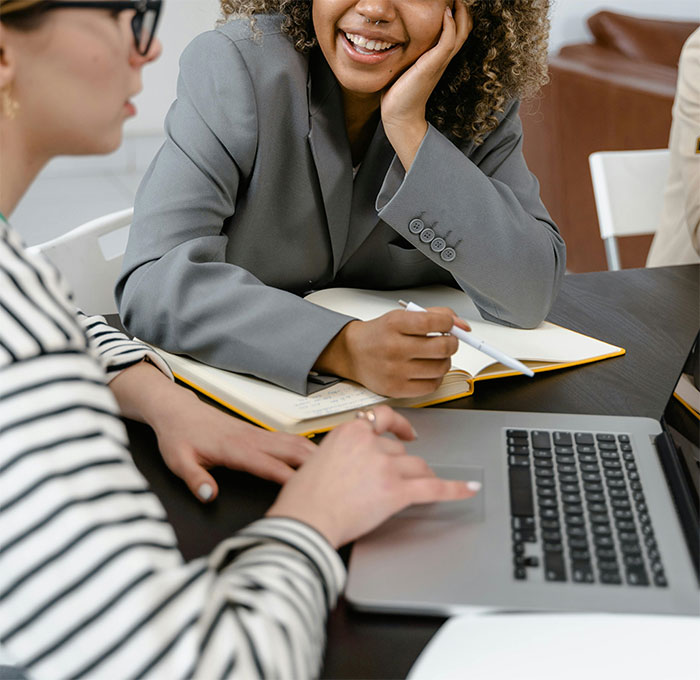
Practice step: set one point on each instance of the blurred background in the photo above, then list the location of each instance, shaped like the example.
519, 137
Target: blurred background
612, 84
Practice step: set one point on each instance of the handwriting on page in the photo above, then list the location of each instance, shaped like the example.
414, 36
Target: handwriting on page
344, 396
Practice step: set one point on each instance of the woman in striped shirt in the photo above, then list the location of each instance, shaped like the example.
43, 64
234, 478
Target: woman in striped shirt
91, 582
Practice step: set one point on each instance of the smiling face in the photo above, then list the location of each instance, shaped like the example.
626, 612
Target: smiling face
369, 43
73, 77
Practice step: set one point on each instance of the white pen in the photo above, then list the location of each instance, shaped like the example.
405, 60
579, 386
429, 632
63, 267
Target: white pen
476, 343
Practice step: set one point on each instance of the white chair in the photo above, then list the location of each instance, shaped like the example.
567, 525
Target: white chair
629, 194
90, 257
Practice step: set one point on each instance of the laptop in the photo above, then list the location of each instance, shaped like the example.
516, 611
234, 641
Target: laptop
577, 513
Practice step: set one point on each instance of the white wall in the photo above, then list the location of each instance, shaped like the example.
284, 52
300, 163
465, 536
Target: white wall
184, 19
569, 16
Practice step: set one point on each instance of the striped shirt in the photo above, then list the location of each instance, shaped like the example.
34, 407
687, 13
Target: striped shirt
91, 582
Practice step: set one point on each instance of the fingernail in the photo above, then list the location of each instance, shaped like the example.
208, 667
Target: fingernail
415, 434
449, 12
205, 492
474, 486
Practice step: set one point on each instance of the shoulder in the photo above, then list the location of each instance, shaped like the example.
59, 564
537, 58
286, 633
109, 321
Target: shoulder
263, 51
264, 39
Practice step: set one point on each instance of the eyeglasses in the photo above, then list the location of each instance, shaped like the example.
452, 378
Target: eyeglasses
143, 24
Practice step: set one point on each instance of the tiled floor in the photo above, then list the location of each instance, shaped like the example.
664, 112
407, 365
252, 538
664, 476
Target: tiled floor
73, 190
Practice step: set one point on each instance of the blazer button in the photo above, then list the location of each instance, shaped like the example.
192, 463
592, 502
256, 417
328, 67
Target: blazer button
438, 245
448, 254
427, 235
416, 226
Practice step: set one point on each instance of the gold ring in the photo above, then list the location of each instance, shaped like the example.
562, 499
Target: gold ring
369, 415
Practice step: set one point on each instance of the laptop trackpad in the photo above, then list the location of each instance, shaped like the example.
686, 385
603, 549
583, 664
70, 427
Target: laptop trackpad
469, 510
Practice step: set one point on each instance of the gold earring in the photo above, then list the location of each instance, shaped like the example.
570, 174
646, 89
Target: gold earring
8, 105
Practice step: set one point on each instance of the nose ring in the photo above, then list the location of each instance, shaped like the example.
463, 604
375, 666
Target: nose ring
376, 23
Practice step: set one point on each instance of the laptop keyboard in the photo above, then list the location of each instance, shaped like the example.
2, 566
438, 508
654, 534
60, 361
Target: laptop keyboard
578, 496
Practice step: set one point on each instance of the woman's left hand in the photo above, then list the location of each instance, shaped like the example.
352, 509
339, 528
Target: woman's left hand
403, 104
194, 437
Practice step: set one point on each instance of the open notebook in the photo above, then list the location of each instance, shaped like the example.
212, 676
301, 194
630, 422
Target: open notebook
544, 348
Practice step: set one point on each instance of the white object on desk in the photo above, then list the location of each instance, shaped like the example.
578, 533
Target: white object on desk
556, 646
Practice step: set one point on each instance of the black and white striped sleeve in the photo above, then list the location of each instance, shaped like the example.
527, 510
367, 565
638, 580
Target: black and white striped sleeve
91, 582
114, 350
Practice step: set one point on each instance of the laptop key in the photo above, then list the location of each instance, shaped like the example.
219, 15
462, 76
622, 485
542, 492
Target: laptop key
618, 513
637, 577
611, 578
542, 453
605, 437
520, 573
607, 446
562, 439
599, 518
564, 450
552, 546
544, 472
517, 433
625, 525
523, 522
570, 488
550, 523
517, 450
623, 438
591, 477
568, 478
633, 561
518, 461
580, 555
540, 440
660, 580
532, 561
582, 572
554, 568
606, 555
553, 536
593, 487
585, 448
544, 482
521, 502
524, 536
584, 438
578, 544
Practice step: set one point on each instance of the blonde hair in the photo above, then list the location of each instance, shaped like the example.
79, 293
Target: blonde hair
504, 58
21, 14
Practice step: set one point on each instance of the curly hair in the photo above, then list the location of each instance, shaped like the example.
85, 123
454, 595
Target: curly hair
505, 57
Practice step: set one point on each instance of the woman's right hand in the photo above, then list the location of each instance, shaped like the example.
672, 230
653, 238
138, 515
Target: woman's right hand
357, 479
393, 354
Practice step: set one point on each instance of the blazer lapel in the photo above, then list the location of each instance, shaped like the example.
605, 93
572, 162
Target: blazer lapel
369, 180
331, 151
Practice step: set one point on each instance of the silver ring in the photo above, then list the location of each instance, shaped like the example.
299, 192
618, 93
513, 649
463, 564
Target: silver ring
369, 415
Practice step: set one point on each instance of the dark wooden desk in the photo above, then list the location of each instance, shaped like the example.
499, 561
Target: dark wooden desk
653, 313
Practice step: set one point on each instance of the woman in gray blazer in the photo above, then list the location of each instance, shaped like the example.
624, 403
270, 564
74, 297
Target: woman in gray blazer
366, 143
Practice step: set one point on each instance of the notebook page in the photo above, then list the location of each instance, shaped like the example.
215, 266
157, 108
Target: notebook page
546, 343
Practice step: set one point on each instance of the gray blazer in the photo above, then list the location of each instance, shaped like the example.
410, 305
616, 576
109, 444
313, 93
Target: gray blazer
251, 202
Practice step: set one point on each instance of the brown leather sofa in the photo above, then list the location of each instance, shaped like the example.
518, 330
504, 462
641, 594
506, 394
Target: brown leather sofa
614, 93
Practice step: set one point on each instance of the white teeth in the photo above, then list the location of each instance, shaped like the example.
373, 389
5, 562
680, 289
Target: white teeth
368, 45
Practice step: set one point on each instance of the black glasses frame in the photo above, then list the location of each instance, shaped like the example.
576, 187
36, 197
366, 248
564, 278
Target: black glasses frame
141, 7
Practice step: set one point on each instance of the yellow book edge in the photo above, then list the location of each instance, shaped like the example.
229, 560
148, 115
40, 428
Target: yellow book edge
335, 418
687, 405
543, 367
